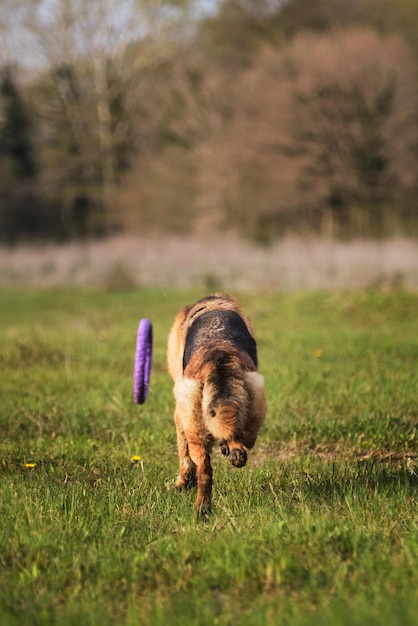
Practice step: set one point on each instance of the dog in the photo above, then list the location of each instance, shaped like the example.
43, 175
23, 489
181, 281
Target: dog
219, 393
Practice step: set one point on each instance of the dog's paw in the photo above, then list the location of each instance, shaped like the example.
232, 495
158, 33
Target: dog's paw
224, 448
186, 482
203, 511
238, 457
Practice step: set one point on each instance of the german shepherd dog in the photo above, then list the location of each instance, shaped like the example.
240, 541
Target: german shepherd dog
219, 394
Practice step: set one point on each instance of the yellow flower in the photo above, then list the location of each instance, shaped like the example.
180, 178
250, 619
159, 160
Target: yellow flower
135, 459
29, 465
319, 354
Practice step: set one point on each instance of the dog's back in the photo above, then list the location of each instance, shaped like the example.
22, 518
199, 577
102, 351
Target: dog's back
218, 326
219, 304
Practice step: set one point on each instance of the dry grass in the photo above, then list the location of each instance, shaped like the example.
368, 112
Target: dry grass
222, 262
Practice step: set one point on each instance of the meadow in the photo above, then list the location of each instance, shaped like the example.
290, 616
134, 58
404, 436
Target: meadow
319, 528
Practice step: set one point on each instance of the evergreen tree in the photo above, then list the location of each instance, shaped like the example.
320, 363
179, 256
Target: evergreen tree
15, 131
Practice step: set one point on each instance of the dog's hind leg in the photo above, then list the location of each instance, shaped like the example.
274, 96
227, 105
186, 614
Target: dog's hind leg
187, 469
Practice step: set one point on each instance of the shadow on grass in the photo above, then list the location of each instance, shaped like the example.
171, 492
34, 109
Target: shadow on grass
328, 481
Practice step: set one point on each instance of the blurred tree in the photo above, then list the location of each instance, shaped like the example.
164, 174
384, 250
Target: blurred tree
17, 161
334, 132
386, 16
242, 121
234, 32
94, 61
16, 150
318, 135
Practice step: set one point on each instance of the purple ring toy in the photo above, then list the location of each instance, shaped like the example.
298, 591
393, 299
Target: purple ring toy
143, 358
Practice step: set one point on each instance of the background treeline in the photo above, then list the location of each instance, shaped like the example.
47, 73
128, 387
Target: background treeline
263, 116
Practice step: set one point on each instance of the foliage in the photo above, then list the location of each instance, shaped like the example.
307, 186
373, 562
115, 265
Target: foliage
321, 524
87, 95
318, 135
17, 159
261, 117
15, 138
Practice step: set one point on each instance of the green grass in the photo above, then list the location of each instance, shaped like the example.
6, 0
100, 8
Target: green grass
320, 527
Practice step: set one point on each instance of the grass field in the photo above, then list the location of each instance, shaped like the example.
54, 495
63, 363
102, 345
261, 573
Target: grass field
319, 528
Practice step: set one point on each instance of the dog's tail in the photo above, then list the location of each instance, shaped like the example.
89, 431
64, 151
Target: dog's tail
222, 419
224, 409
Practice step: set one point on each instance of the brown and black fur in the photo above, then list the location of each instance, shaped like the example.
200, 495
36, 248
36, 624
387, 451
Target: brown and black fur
219, 393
